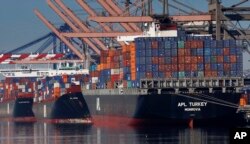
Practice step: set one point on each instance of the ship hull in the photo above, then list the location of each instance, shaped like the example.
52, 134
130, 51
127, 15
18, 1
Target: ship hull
165, 109
68, 108
18, 110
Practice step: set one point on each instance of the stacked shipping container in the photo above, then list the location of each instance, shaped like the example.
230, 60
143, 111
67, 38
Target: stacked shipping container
185, 56
39, 88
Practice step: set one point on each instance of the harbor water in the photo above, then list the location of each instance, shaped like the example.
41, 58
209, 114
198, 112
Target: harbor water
44, 133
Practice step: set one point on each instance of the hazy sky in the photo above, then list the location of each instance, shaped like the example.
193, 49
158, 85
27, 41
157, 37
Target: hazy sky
19, 24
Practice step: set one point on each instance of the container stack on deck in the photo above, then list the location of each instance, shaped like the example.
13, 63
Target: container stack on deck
185, 56
39, 88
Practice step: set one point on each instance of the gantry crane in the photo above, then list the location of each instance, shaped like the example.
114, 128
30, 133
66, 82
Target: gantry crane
221, 21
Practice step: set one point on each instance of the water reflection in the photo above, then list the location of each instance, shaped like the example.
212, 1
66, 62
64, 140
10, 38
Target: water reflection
42, 133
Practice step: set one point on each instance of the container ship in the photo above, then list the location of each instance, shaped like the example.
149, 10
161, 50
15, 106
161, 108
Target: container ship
16, 101
168, 76
54, 95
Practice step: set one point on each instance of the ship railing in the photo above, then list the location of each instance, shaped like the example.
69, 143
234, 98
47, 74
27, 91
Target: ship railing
119, 91
192, 82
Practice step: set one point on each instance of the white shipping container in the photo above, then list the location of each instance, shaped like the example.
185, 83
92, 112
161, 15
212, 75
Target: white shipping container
39, 86
56, 85
23, 90
29, 90
67, 85
94, 79
21, 86
77, 82
87, 86
115, 71
121, 70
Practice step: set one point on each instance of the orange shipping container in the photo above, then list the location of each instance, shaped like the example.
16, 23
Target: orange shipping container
233, 59
133, 75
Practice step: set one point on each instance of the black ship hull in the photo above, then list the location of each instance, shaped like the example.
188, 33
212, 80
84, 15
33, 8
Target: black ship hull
217, 108
68, 108
18, 110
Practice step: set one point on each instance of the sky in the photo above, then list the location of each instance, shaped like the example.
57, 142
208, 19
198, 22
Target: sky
19, 25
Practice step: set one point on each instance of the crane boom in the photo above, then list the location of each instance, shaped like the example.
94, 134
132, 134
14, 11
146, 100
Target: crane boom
74, 28
79, 22
52, 28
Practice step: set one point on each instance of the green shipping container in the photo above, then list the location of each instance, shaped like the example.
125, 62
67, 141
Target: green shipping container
129, 84
181, 44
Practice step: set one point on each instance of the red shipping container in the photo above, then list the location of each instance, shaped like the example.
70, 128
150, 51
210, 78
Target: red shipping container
214, 73
208, 73
187, 67
174, 67
207, 67
187, 44
226, 51
194, 59
174, 60
200, 59
187, 59
162, 68
154, 60
181, 59
168, 74
149, 75
193, 67
227, 66
193, 44
181, 52
220, 59
187, 52
126, 63
115, 77
154, 44
161, 60
181, 67
168, 68
199, 44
